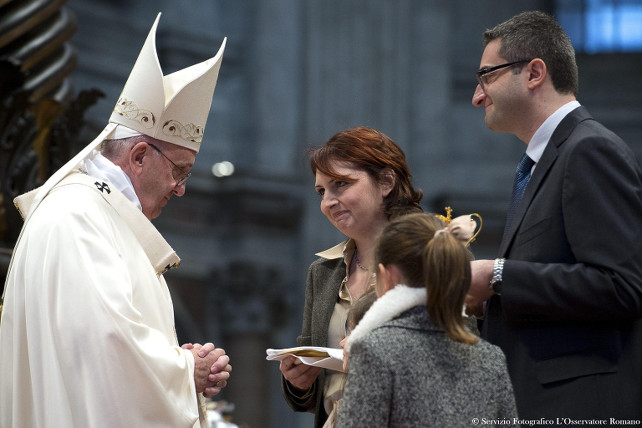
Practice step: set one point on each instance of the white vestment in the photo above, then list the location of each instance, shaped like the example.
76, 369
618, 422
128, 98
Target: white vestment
87, 334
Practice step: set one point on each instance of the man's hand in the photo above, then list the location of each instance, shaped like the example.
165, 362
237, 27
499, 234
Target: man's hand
211, 368
480, 291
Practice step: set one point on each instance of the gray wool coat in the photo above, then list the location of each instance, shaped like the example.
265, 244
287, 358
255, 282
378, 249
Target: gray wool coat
407, 373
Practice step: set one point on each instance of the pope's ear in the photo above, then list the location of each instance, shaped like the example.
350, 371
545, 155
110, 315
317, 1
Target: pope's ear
137, 157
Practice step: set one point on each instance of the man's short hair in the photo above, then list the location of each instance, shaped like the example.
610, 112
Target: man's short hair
535, 34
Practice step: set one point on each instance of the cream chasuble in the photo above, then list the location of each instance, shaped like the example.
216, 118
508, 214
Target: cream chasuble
87, 335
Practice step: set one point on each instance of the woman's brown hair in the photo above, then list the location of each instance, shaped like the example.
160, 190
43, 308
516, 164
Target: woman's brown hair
375, 153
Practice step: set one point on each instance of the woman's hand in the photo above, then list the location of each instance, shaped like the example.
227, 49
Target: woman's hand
300, 376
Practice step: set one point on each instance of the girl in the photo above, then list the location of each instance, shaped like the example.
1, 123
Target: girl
412, 361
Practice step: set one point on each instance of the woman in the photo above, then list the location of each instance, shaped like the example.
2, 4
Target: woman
413, 362
363, 181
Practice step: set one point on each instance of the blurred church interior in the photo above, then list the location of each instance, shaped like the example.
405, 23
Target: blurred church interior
294, 73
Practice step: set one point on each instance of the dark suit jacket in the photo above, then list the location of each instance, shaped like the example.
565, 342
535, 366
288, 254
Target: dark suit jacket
321, 294
569, 315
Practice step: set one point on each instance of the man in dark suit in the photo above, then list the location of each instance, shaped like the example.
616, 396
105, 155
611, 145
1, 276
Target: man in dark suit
564, 298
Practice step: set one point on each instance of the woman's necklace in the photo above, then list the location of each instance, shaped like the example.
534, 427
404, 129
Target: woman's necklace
356, 259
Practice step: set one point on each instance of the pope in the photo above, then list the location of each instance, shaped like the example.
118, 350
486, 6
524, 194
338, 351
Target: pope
87, 335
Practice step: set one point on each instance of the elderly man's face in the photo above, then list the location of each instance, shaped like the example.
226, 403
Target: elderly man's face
160, 179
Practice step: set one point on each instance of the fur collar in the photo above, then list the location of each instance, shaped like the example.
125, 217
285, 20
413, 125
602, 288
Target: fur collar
393, 303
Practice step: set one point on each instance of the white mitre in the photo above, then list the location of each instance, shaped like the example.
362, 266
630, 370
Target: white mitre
172, 108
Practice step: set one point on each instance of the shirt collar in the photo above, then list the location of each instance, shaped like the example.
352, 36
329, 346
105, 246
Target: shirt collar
340, 250
345, 250
538, 142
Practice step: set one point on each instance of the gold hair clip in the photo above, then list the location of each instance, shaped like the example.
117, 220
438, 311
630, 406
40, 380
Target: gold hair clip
448, 218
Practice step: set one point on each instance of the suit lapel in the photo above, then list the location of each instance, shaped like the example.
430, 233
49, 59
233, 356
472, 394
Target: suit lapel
561, 133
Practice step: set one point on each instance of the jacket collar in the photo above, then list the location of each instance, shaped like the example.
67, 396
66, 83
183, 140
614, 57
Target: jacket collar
387, 307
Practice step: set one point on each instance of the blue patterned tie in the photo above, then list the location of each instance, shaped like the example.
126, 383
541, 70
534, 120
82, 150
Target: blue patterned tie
522, 175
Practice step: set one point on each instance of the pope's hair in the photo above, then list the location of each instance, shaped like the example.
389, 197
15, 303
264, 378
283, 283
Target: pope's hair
115, 149
440, 263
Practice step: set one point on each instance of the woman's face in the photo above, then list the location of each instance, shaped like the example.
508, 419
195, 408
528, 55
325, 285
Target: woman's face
354, 205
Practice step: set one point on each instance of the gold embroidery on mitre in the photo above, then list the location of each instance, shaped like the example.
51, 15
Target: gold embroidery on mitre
188, 132
130, 111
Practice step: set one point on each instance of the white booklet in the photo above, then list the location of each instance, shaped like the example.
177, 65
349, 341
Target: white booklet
327, 358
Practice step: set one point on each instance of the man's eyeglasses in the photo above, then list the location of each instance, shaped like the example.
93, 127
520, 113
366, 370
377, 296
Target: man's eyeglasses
180, 177
483, 75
